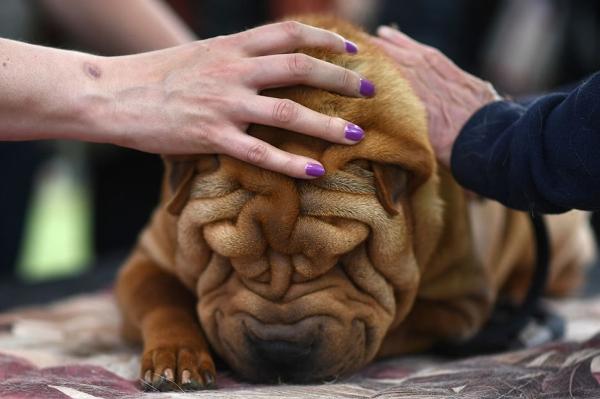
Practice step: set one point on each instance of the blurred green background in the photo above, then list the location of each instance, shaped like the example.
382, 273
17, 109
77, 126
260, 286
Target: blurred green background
58, 228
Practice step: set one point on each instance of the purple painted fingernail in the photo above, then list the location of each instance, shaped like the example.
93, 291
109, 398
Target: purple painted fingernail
351, 47
314, 170
367, 88
354, 132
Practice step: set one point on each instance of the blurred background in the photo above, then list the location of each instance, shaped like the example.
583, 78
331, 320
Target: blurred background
72, 211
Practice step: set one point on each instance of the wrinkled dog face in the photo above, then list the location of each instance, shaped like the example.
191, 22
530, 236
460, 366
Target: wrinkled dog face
301, 280
296, 280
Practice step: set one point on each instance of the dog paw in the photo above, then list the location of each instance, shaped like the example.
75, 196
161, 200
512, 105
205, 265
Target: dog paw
177, 369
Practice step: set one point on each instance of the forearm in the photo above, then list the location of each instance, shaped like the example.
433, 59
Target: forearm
120, 27
44, 93
542, 157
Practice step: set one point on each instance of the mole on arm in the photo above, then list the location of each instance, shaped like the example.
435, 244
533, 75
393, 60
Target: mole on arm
93, 71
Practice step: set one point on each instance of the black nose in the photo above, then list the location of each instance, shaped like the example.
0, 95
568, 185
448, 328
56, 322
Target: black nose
278, 360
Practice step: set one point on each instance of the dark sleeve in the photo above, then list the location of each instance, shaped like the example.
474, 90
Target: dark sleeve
543, 156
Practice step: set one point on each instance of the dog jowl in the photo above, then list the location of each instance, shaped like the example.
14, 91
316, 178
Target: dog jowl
290, 280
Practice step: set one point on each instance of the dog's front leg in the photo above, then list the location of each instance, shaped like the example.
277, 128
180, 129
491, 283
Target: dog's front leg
161, 310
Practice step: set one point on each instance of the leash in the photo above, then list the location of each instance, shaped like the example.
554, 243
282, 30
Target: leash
512, 326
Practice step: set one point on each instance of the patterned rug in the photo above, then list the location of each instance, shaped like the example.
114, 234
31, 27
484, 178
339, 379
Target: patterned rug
72, 349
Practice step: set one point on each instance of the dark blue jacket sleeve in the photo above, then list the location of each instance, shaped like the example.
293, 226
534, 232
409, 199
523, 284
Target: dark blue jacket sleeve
542, 157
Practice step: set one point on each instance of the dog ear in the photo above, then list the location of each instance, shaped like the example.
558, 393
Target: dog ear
391, 183
179, 174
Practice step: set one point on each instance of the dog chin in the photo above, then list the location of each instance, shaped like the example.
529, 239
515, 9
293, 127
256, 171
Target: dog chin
317, 337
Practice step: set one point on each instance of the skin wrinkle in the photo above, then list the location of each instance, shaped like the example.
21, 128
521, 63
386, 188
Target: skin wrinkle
364, 337
212, 188
324, 208
363, 290
201, 284
345, 182
242, 214
390, 308
299, 320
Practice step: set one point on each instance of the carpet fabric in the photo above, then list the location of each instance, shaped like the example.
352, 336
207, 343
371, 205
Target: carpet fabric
72, 349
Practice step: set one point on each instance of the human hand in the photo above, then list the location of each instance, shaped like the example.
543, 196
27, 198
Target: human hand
450, 95
201, 97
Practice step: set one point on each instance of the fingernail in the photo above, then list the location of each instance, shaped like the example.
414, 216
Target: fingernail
314, 170
354, 132
351, 47
367, 88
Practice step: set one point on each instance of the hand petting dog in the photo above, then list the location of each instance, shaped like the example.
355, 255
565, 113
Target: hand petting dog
450, 95
197, 98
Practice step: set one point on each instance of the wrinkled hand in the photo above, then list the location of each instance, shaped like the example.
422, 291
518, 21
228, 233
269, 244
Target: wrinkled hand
201, 97
450, 95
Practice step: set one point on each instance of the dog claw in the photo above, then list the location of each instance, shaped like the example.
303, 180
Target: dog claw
148, 377
176, 369
209, 379
186, 377
168, 375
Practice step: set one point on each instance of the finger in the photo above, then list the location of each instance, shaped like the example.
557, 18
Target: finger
403, 56
421, 56
256, 152
398, 38
292, 69
284, 37
286, 114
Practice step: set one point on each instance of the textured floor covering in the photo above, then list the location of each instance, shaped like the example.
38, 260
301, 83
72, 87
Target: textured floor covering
72, 349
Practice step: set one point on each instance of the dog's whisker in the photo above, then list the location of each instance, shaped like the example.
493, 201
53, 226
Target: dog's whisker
146, 384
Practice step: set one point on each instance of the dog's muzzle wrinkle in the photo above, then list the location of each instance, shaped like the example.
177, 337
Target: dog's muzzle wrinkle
269, 276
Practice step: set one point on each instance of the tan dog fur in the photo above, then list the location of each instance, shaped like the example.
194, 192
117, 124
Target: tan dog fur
382, 256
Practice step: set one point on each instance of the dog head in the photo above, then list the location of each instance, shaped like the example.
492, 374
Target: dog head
301, 280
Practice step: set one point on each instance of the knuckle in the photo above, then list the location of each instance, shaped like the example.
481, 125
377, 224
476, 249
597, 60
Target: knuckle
347, 78
196, 133
333, 124
300, 64
236, 106
292, 29
203, 134
257, 153
431, 54
285, 111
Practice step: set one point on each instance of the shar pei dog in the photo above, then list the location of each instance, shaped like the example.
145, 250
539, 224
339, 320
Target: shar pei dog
292, 280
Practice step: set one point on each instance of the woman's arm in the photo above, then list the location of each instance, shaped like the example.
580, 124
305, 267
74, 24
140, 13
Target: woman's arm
192, 99
120, 27
44, 92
